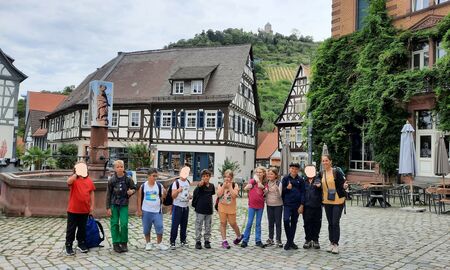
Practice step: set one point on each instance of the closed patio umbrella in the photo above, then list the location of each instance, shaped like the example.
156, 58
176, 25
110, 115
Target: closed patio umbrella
285, 159
325, 149
407, 160
441, 165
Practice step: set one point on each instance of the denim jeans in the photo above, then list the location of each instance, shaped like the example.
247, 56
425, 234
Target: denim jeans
251, 215
290, 219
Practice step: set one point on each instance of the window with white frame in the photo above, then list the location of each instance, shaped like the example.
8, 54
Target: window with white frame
419, 4
441, 1
115, 119
420, 56
197, 87
298, 137
361, 154
178, 87
85, 118
135, 119
191, 119
166, 119
440, 51
210, 119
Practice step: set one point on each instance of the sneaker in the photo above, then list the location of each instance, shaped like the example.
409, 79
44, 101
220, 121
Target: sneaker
162, 247
117, 248
316, 245
69, 251
330, 248
184, 244
198, 245
279, 244
172, 246
124, 247
244, 244
82, 248
238, 240
260, 244
225, 245
269, 242
148, 246
335, 249
207, 244
294, 246
287, 246
307, 245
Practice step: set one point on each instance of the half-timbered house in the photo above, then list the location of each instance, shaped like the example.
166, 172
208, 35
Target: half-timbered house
189, 105
10, 79
290, 121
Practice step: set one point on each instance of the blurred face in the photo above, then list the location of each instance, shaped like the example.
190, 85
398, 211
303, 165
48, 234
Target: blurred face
326, 162
271, 176
152, 177
205, 178
260, 173
227, 178
293, 171
118, 168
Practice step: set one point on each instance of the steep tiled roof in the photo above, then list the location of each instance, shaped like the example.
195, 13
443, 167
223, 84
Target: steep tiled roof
45, 102
40, 132
192, 72
33, 120
9, 61
144, 76
268, 146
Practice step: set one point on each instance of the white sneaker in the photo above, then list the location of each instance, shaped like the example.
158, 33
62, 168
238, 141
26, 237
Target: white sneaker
335, 249
184, 245
162, 247
148, 246
330, 248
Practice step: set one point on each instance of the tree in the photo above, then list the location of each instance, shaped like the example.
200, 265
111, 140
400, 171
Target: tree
67, 156
37, 157
229, 165
139, 156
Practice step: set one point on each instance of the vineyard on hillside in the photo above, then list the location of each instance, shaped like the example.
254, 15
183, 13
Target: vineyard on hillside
278, 73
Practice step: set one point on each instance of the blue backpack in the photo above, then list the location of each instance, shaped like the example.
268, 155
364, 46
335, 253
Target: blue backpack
93, 229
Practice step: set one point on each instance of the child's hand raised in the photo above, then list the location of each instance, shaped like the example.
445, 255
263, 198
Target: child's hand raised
289, 186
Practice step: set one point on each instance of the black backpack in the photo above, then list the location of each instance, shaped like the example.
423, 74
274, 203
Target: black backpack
169, 200
216, 205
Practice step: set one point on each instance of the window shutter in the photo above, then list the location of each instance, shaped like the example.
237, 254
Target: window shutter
232, 122
239, 124
174, 119
219, 119
158, 119
200, 119
182, 119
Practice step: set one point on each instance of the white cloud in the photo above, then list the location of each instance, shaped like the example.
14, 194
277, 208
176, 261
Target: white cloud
58, 43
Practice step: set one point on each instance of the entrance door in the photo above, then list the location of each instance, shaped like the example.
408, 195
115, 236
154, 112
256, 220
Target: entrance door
425, 142
201, 162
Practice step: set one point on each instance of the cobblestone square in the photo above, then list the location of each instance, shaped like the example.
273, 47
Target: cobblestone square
371, 238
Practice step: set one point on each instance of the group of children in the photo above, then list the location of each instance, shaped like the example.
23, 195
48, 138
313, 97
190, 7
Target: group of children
295, 194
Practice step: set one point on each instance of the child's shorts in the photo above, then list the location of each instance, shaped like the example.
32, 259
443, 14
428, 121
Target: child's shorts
150, 218
224, 217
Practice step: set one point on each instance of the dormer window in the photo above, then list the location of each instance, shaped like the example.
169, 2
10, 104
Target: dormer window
197, 87
178, 87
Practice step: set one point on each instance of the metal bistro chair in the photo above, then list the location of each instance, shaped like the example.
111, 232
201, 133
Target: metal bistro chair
358, 192
444, 199
432, 198
397, 191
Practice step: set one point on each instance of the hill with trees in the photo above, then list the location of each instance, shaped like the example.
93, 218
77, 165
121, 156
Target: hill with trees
277, 58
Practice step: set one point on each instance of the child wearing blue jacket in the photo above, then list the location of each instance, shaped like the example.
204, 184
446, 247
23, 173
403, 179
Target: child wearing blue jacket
293, 194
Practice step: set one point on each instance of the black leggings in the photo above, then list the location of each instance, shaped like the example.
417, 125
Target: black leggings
75, 221
334, 213
274, 214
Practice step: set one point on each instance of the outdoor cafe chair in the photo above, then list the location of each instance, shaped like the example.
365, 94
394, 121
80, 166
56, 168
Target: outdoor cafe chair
444, 199
432, 198
397, 192
356, 191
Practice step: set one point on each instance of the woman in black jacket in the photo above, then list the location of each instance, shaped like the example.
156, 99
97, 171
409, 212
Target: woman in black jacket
333, 190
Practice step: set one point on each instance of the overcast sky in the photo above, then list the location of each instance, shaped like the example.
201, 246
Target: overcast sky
58, 43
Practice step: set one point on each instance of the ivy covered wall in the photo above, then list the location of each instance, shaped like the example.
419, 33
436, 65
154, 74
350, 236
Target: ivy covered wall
362, 82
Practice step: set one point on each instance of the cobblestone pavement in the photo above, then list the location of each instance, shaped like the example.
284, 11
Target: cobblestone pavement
371, 238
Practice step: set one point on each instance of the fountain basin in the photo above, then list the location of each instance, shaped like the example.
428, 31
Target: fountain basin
47, 193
